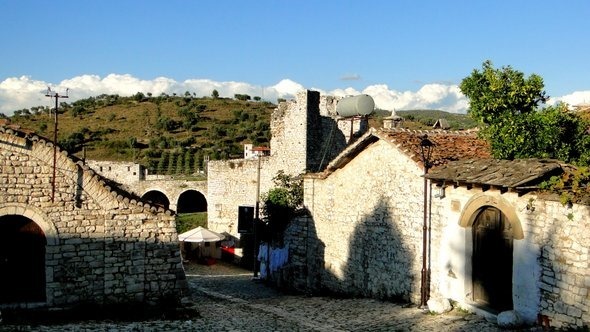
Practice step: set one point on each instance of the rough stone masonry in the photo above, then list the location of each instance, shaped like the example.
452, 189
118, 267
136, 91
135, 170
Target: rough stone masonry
102, 245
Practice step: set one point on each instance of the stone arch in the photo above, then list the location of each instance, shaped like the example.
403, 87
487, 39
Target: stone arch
480, 201
24, 236
157, 198
35, 215
191, 201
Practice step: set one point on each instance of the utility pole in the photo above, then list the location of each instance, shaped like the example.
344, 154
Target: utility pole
52, 94
257, 215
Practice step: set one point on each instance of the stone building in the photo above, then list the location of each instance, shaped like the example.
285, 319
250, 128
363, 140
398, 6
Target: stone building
494, 244
68, 237
306, 133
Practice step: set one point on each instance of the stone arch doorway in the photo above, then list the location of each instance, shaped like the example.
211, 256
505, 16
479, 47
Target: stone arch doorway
158, 198
22, 260
191, 201
492, 259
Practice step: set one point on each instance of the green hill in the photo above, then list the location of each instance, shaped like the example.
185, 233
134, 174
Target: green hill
425, 119
168, 134
173, 134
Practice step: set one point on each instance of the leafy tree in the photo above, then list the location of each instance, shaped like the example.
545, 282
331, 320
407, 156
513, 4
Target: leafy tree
188, 162
179, 164
281, 203
215, 94
73, 143
506, 106
197, 161
495, 93
243, 97
162, 163
171, 164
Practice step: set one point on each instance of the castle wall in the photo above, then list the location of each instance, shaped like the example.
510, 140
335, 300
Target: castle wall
120, 172
305, 136
102, 246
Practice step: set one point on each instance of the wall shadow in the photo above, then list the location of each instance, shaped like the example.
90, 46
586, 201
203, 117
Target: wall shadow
380, 264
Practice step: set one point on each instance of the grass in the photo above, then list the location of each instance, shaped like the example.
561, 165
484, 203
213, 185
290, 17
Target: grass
188, 221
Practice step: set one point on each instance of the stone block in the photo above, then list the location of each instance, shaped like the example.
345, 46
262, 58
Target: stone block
509, 319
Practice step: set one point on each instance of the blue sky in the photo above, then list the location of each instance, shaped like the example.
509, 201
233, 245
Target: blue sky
406, 54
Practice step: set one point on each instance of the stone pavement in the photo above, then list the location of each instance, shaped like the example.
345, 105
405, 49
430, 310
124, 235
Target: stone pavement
229, 300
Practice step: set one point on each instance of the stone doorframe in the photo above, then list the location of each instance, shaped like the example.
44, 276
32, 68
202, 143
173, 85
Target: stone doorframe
479, 201
468, 217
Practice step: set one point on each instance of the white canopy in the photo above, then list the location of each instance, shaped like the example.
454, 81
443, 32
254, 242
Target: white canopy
200, 234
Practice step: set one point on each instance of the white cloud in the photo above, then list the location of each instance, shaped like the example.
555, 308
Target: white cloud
573, 99
25, 92
431, 96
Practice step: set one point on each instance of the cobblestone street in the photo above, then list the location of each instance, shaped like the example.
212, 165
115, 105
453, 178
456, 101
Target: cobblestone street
229, 300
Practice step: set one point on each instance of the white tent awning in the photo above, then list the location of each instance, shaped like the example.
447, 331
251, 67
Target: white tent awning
200, 234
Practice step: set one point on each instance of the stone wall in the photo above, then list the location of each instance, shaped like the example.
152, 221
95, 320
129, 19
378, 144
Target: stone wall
363, 228
306, 135
120, 172
103, 246
361, 235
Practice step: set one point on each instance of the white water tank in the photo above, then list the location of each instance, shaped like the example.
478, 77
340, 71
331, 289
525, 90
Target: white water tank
355, 105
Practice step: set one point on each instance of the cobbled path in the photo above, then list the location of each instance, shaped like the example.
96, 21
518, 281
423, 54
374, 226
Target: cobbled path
229, 300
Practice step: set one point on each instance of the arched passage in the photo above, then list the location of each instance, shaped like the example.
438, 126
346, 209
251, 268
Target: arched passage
22, 260
191, 201
157, 198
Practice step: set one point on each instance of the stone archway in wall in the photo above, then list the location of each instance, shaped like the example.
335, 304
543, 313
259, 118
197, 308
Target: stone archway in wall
25, 234
191, 201
494, 226
22, 260
158, 198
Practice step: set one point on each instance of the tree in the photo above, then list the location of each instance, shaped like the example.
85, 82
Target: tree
215, 94
281, 202
188, 162
495, 93
506, 105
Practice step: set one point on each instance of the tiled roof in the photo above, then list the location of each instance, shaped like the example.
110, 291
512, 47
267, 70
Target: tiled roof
494, 172
448, 145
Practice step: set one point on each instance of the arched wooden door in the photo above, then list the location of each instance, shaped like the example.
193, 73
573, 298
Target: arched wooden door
22, 260
492, 260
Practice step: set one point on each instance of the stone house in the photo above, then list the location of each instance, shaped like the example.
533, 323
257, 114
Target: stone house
494, 243
68, 237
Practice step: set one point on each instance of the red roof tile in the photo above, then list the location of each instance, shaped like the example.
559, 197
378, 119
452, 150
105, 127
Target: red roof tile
448, 145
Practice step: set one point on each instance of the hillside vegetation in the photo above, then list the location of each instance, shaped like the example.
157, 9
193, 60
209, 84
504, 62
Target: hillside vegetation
168, 134
174, 134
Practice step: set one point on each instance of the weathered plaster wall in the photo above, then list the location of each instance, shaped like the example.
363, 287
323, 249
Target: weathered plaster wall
102, 246
550, 268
